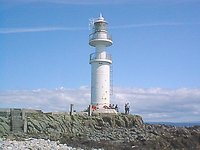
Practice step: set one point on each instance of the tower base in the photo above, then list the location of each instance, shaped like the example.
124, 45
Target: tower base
104, 111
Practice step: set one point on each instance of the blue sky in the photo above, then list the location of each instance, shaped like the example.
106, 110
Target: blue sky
156, 50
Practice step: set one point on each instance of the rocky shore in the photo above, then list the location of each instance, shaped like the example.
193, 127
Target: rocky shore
107, 132
34, 144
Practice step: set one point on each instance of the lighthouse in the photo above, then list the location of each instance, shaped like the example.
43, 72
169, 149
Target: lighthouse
101, 62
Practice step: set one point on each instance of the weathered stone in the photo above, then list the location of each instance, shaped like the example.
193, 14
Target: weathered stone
119, 121
108, 119
4, 126
5, 120
35, 124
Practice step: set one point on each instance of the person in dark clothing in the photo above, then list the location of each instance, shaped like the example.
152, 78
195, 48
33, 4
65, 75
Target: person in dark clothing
127, 108
110, 106
113, 106
116, 108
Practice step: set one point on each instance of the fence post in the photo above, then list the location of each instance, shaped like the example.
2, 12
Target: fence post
71, 109
90, 110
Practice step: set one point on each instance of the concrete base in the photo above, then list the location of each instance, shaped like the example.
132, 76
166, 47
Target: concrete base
104, 111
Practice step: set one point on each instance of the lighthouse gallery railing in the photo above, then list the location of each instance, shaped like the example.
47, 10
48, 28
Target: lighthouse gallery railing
100, 35
94, 56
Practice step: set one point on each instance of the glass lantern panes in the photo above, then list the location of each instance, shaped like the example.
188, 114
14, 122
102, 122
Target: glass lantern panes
100, 26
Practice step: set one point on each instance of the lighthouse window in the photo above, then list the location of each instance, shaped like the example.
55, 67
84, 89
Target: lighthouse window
101, 26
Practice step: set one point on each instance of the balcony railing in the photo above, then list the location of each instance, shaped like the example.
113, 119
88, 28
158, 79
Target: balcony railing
100, 35
104, 56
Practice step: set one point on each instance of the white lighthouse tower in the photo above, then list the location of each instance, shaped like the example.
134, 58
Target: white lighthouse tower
100, 62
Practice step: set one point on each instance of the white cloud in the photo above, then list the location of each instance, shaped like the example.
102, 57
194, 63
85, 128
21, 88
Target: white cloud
153, 104
156, 104
48, 29
42, 29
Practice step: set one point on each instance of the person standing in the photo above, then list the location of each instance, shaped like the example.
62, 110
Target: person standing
116, 108
127, 108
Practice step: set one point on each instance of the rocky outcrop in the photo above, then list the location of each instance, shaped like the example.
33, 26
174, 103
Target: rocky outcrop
77, 125
109, 132
4, 126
